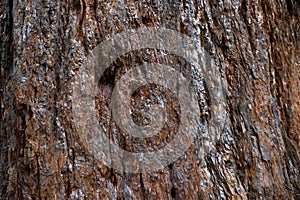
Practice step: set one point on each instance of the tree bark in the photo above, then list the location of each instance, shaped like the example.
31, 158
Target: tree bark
255, 45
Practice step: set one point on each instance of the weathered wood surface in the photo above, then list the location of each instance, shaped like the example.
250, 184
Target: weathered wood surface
255, 45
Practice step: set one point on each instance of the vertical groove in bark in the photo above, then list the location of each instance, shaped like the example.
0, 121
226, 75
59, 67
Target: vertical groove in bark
6, 69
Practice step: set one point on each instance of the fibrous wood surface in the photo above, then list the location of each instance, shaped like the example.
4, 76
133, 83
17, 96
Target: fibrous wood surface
255, 45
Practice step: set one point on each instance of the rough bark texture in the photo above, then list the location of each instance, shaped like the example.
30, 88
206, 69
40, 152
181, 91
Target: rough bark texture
255, 44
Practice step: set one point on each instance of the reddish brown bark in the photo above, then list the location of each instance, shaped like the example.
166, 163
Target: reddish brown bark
256, 47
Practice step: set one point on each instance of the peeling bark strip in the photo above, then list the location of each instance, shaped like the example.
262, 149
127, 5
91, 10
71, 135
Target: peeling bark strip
255, 47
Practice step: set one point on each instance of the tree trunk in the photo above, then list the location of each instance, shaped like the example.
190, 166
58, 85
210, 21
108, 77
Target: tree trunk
255, 48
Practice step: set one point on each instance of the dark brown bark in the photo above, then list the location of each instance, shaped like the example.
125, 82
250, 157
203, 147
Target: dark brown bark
255, 45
